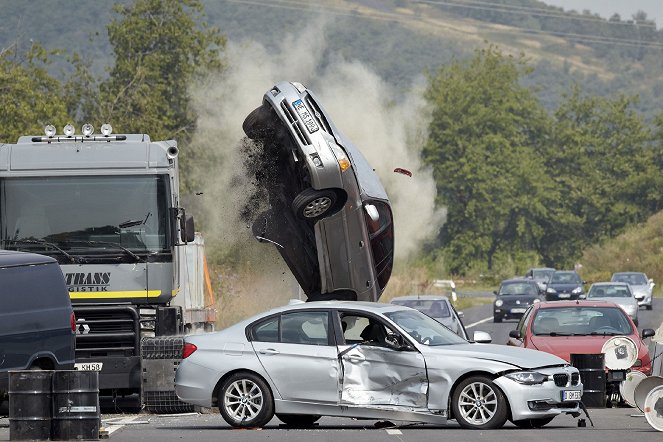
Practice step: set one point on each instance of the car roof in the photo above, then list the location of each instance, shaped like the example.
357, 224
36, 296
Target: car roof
584, 303
372, 307
602, 283
11, 258
514, 280
628, 273
541, 268
421, 297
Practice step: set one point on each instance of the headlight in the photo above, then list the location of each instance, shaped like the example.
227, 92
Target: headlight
551, 290
528, 377
499, 303
536, 300
577, 290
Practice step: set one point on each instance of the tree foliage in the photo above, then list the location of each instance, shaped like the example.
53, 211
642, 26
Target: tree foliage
160, 46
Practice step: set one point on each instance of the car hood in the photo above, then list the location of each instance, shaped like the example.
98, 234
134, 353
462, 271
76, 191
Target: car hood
516, 356
564, 346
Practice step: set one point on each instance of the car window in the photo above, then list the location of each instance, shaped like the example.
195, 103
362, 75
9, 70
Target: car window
433, 308
381, 235
267, 330
630, 278
609, 291
565, 278
581, 320
305, 328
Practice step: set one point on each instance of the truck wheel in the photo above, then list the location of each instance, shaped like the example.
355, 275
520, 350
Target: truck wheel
315, 204
477, 403
245, 401
298, 420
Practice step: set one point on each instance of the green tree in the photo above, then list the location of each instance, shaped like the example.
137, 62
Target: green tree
29, 97
484, 143
160, 47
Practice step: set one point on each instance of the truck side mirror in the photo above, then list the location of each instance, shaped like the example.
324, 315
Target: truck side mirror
187, 229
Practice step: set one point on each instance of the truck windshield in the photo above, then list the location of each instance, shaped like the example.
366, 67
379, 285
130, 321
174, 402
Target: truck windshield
85, 216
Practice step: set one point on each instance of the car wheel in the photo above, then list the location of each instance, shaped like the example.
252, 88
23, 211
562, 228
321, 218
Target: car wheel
245, 401
259, 123
477, 403
314, 204
533, 423
497, 319
298, 420
648, 307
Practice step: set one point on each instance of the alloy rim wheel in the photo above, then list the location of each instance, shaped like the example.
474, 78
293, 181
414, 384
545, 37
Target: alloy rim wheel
317, 207
243, 400
477, 403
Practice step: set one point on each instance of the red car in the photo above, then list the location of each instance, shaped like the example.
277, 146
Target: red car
566, 327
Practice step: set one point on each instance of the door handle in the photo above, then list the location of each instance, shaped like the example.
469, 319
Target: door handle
268, 351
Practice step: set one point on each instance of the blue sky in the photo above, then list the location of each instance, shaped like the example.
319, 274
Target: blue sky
625, 8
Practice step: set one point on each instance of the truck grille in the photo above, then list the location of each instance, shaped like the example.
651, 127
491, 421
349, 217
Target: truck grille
107, 331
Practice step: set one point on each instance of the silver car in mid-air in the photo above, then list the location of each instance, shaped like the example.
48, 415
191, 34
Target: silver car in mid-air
616, 292
641, 286
328, 215
369, 361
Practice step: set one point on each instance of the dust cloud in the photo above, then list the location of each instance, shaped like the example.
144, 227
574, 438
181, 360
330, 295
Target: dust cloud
386, 126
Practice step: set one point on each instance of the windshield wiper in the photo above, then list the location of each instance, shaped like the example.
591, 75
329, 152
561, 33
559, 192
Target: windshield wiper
42, 242
113, 244
554, 334
605, 333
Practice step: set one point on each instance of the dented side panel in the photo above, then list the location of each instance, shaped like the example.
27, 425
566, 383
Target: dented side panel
377, 376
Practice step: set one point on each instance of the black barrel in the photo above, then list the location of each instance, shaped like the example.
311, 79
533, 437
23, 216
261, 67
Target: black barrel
592, 375
30, 405
75, 405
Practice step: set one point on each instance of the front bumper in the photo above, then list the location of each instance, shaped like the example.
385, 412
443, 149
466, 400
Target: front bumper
541, 400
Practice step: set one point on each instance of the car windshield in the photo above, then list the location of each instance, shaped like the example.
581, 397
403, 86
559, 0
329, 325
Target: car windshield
581, 320
518, 288
565, 278
542, 275
424, 329
630, 278
609, 291
433, 308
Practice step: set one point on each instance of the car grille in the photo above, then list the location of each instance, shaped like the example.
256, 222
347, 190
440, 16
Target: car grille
562, 379
294, 122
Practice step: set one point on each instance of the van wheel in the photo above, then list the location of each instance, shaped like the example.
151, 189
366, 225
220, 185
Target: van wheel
477, 403
314, 204
245, 401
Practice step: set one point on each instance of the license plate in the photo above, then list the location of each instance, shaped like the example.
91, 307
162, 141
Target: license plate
306, 116
89, 366
517, 310
565, 295
571, 395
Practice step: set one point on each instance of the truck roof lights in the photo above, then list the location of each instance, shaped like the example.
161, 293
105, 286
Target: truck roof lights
69, 130
106, 129
87, 129
49, 130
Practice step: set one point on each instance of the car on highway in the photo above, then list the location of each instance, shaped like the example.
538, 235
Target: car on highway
618, 292
583, 326
564, 285
541, 275
438, 307
369, 361
513, 297
641, 286
328, 214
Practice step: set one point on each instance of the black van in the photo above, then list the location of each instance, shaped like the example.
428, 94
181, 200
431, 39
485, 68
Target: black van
37, 323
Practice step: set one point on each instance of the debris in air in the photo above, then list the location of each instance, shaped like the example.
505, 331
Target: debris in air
403, 171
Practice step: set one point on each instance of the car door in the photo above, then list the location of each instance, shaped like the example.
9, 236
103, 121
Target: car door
299, 355
374, 373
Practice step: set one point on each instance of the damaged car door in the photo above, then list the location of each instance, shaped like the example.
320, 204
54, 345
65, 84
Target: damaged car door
378, 367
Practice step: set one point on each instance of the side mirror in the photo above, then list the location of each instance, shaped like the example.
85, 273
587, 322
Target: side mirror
187, 229
648, 332
495, 292
482, 337
514, 334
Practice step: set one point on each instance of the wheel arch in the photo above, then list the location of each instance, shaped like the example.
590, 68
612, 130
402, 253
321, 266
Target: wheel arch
217, 387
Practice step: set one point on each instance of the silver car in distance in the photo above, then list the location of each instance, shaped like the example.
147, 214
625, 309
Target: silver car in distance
329, 216
369, 361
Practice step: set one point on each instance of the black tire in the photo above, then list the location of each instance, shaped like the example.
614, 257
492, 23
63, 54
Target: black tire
533, 423
298, 420
259, 125
312, 204
246, 392
492, 410
648, 307
497, 319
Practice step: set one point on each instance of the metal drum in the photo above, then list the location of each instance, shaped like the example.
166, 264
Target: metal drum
30, 405
592, 375
643, 388
75, 405
653, 408
627, 386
